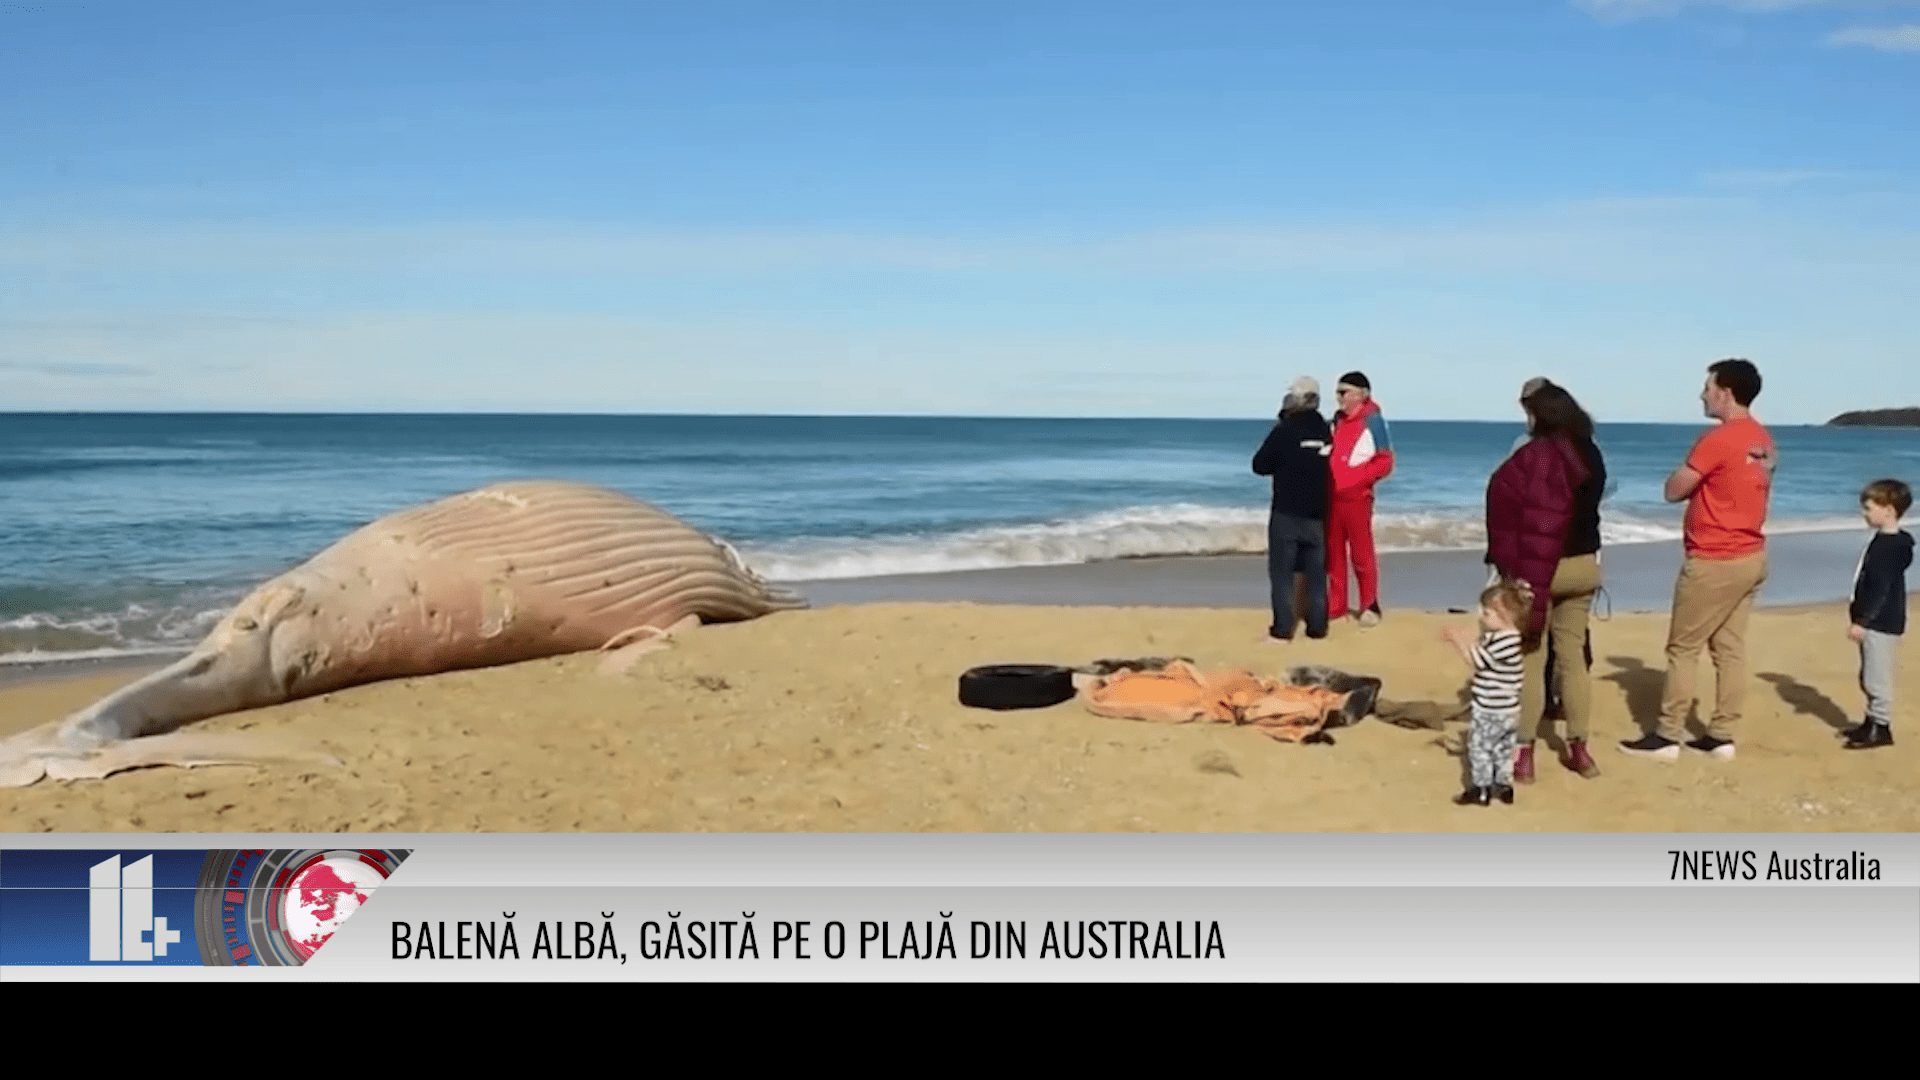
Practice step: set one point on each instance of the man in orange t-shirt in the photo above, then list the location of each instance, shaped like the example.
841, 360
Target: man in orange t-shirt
1726, 483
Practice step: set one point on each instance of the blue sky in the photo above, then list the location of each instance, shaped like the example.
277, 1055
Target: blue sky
994, 207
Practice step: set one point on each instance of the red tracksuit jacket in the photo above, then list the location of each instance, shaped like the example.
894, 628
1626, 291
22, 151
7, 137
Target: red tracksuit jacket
1362, 452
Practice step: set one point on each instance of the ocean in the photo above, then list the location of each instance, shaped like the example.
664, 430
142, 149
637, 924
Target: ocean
130, 534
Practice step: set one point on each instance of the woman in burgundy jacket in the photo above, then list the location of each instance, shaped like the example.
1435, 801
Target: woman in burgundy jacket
1543, 527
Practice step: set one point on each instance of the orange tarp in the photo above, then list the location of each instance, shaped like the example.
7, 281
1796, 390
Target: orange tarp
1184, 694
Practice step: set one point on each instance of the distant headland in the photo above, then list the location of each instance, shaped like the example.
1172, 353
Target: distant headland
1880, 418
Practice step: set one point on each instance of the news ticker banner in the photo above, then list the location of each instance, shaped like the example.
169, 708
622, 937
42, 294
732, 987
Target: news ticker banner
963, 907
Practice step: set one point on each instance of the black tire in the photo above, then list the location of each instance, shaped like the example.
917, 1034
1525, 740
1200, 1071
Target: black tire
1365, 699
1363, 691
1016, 686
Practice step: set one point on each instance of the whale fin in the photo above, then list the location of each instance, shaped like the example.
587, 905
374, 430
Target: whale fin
623, 649
39, 754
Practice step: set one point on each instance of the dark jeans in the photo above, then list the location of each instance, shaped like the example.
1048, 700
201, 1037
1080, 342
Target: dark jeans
1297, 545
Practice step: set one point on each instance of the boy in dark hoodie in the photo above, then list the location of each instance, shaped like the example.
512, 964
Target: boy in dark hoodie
1297, 454
1878, 613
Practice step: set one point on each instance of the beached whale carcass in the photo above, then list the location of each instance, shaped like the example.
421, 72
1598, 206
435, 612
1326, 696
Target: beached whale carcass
502, 574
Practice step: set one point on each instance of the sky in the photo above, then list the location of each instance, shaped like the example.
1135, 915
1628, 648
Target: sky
992, 207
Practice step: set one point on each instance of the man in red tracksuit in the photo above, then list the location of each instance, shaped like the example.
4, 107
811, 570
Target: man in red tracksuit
1362, 457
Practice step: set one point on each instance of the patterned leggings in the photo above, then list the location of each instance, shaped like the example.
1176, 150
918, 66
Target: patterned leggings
1492, 738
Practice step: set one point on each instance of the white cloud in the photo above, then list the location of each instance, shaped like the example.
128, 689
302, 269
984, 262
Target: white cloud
1441, 356
1881, 38
1635, 9
77, 369
445, 361
1619, 238
1779, 178
488, 316
1625, 10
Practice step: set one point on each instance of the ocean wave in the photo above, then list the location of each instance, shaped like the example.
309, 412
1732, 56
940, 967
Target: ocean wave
1150, 532
135, 630
174, 624
69, 656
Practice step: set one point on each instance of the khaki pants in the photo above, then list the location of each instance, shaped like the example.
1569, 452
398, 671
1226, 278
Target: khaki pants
1711, 602
1575, 581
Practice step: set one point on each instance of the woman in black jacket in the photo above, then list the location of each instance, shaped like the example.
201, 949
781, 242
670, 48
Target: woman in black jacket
1297, 455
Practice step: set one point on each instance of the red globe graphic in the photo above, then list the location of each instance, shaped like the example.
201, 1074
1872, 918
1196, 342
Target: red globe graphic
320, 896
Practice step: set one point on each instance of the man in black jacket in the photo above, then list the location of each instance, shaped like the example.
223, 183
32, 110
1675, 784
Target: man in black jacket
1878, 615
1297, 455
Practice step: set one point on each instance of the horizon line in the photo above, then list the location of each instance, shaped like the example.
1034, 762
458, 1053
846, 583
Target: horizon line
566, 414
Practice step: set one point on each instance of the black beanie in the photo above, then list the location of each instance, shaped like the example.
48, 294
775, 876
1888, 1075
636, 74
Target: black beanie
1354, 378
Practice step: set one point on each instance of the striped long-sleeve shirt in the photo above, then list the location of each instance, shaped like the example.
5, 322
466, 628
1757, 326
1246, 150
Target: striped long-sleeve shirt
1497, 671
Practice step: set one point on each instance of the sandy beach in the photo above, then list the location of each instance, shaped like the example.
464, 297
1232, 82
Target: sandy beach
845, 718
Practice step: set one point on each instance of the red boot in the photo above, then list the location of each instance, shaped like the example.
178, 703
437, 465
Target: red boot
1523, 765
1577, 759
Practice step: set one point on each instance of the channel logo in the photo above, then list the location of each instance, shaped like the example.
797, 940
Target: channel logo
121, 924
225, 908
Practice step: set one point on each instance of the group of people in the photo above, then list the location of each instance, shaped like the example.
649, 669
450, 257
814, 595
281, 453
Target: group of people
1324, 474
1543, 556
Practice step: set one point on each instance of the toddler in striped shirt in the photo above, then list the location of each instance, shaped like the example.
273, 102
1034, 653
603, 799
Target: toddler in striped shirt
1498, 662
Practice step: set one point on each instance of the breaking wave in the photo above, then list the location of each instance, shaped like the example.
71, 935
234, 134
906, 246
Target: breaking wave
174, 624
135, 630
1146, 532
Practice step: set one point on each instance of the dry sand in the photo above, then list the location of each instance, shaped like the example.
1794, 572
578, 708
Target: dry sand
845, 719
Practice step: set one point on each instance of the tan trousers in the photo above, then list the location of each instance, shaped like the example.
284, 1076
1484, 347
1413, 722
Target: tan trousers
1711, 602
1575, 581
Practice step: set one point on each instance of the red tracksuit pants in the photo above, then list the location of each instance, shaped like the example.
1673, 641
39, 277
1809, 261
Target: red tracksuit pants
1350, 529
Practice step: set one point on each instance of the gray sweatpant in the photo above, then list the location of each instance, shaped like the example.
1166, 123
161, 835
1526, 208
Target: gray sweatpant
1877, 655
